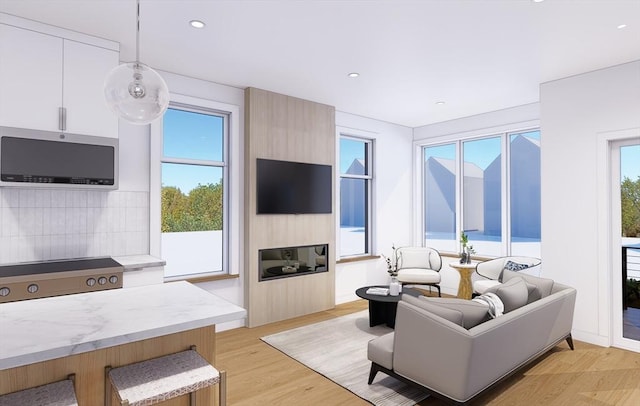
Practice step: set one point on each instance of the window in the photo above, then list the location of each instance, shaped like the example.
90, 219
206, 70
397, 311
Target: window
440, 172
524, 193
481, 191
194, 191
355, 196
465, 182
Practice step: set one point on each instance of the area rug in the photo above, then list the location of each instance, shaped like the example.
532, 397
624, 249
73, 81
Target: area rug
337, 349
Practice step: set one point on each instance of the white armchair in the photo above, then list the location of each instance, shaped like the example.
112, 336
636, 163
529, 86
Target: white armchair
491, 271
419, 266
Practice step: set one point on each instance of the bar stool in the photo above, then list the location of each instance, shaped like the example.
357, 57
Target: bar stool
61, 393
163, 378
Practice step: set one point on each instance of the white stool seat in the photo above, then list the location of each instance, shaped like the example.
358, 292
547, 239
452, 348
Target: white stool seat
59, 393
159, 379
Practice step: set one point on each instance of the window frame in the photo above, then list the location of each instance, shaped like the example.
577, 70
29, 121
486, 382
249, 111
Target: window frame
459, 139
369, 179
231, 176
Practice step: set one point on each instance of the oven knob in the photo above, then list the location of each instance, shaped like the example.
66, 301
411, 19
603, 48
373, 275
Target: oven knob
33, 288
91, 282
4, 292
102, 280
113, 279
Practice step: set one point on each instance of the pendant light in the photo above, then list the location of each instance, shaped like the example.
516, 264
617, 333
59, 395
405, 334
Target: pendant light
134, 91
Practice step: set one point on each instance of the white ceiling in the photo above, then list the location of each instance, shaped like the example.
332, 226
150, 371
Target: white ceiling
476, 55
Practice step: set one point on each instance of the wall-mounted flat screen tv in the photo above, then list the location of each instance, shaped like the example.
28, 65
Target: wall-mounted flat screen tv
293, 187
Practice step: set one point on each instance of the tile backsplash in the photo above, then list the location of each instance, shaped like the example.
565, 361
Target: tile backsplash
43, 224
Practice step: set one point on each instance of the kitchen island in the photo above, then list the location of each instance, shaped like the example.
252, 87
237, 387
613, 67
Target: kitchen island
44, 340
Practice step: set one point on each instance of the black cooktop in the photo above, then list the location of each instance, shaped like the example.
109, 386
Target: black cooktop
34, 268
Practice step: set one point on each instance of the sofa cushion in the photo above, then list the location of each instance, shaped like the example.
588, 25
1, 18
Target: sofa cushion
380, 350
543, 285
468, 314
513, 293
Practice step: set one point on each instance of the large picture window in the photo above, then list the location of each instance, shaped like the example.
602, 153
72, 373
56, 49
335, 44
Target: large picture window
355, 192
193, 194
490, 185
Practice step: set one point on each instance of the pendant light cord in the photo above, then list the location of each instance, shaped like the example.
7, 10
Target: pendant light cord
137, 32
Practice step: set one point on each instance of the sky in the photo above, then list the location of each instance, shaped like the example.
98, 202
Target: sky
194, 136
350, 150
630, 162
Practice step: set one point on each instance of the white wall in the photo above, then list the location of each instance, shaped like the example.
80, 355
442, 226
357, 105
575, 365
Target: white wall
574, 111
392, 204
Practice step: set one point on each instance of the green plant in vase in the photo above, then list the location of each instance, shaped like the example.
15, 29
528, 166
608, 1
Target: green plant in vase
467, 249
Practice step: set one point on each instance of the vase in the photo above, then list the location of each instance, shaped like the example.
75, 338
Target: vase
464, 258
394, 286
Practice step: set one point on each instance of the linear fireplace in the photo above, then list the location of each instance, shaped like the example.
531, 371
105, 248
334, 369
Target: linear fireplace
286, 262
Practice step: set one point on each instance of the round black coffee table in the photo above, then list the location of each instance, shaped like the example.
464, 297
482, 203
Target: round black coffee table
382, 309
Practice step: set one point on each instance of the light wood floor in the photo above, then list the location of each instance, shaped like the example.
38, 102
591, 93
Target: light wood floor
261, 375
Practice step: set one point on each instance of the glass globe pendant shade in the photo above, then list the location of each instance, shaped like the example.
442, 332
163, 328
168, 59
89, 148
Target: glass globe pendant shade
136, 93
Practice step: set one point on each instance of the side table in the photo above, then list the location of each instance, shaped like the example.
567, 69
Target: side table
465, 289
382, 309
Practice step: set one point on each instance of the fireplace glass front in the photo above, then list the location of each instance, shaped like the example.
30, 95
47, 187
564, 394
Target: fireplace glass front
275, 263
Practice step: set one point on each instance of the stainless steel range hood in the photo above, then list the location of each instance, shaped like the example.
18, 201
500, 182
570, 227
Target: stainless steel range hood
49, 159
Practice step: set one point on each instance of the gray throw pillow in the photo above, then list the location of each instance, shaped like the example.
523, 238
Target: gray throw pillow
448, 314
472, 313
544, 285
513, 293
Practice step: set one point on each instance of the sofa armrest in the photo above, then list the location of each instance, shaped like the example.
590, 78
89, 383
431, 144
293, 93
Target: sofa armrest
431, 350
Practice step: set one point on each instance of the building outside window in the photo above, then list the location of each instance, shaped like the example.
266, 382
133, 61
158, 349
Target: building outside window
355, 196
194, 192
497, 202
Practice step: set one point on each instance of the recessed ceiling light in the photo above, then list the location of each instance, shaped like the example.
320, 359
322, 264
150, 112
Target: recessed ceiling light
353, 75
621, 26
440, 103
537, 1
197, 24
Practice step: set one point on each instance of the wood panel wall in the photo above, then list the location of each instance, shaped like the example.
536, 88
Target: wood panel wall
289, 129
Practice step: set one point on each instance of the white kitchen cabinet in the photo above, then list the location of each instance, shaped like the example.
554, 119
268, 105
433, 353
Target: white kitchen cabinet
41, 72
30, 79
85, 68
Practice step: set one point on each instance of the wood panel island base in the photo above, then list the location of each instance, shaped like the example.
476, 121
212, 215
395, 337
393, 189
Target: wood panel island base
171, 312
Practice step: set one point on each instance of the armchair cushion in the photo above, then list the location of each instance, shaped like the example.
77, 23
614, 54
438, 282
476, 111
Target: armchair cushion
464, 313
418, 275
513, 293
419, 257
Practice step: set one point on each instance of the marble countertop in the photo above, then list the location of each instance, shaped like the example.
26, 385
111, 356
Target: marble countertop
43, 329
135, 262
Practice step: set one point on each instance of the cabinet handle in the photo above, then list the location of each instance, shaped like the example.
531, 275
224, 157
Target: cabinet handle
62, 118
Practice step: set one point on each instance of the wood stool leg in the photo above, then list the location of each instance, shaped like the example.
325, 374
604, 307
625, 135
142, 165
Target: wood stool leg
107, 386
223, 388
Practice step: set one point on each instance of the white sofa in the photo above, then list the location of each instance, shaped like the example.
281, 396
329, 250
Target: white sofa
451, 362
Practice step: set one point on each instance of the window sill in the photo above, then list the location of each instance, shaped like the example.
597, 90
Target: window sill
357, 259
208, 278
